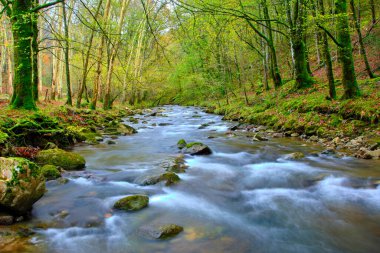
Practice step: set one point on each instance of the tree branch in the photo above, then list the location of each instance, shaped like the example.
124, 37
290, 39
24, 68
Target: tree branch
43, 6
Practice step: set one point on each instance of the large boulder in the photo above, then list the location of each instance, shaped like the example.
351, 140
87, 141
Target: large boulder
61, 158
197, 148
132, 203
21, 184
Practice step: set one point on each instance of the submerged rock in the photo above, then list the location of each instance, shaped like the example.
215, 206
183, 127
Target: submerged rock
162, 231
295, 156
21, 184
258, 137
132, 203
170, 178
61, 158
197, 148
50, 172
177, 165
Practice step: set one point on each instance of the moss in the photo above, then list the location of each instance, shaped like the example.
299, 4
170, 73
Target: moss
192, 144
3, 137
61, 158
181, 144
50, 172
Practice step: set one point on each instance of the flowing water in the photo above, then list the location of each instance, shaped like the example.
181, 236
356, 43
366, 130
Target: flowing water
245, 197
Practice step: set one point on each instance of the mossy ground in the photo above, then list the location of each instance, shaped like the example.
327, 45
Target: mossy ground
306, 111
53, 123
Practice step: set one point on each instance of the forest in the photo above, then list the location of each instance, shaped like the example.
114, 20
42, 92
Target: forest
231, 123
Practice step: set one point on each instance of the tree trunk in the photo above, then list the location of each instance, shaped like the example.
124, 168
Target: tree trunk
327, 57
296, 22
98, 78
361, 43
23, 34
107, 97
274, 64
69, 100
373, 11
87, 59
351, 88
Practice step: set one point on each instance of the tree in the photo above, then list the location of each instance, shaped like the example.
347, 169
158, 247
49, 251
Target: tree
23, 16
351, 88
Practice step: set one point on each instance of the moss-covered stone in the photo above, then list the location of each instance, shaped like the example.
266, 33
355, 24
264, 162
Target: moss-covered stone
61, 158
126, 130
181, 144
50, 172
197, 148
132, 203
169, 177
295, 156
21, 184
161, 231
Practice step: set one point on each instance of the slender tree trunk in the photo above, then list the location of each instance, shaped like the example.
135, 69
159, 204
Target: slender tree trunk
8, 52
361, 43
40, 61
373, 11
69, 100
98, 78
327, 57
274, 64
107, 98
351, 88
87, 59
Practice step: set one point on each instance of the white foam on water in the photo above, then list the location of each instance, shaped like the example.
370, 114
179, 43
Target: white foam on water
82, 181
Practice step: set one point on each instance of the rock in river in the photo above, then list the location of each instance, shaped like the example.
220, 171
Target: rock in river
61, 158
295, 156
197, 148
21, 184
161, 232
132, 203
169, 177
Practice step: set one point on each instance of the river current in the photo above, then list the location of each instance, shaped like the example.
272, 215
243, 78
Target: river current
244, 198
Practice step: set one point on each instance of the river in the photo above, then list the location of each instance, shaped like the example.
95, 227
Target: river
244, 198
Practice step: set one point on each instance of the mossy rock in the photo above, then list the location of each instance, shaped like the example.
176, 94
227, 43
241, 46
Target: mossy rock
61, 158
177, 165
132, 203
197, 148
21, 184
50, 172
83, 134
161, 231
295, 156
126, 130
169, 177
181, 144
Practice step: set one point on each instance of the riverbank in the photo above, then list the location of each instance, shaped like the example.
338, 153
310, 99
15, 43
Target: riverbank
350, 126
